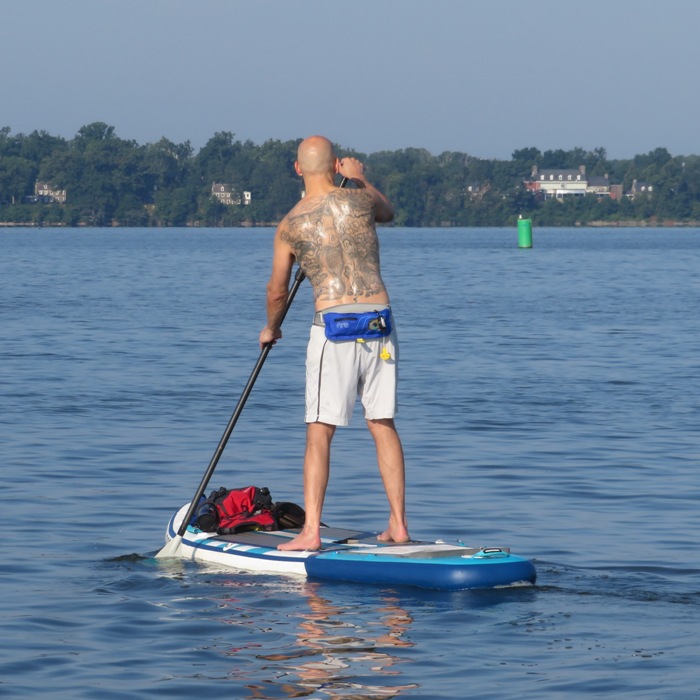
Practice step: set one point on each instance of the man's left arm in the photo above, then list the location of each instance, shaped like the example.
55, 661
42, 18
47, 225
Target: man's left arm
383, 208
354, 170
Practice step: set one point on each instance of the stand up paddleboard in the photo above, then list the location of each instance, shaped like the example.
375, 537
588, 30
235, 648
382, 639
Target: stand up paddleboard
346, 555
349, 555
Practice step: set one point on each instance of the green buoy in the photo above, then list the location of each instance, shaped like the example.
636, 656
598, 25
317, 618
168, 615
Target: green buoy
524, 233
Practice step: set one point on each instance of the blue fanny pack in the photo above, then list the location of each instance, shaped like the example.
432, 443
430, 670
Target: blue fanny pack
357, 326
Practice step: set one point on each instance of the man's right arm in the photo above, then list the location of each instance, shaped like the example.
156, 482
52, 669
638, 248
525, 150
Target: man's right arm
277, 287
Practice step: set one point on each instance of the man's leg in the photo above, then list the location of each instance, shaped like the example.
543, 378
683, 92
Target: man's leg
391, 467
316, 470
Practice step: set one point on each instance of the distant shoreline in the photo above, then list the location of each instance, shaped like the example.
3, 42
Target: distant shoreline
644, 223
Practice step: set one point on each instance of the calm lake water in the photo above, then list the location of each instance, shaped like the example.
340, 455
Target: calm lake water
550, 402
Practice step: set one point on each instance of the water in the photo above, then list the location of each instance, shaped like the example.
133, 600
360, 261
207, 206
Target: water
549, 402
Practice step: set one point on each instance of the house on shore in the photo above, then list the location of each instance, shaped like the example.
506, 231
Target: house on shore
229, 195
47, 193
639, 188
563, 183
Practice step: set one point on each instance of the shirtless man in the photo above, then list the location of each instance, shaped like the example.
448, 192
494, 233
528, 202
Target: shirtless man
331, 234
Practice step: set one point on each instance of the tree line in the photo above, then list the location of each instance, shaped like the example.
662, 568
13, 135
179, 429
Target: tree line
112, 181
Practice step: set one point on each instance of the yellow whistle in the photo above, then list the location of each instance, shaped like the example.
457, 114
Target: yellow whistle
360, 340
386, 355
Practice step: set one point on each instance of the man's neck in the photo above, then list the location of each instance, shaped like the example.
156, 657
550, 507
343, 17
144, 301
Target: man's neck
316, 185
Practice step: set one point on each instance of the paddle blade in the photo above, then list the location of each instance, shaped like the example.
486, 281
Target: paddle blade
171, 549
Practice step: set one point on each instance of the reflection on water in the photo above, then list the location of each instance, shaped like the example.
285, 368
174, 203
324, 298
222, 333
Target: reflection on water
336, 652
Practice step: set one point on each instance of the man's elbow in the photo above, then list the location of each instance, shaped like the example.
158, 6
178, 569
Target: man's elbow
384, 215
276, 293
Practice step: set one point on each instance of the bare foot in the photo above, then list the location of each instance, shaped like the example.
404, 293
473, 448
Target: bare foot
303, 542
397, 535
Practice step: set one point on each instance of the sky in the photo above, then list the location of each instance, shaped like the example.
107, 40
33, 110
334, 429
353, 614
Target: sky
484, 77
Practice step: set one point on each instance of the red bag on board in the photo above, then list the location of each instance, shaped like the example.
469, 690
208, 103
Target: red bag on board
229, 511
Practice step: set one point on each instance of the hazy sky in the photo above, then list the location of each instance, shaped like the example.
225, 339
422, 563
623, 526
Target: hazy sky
484, 77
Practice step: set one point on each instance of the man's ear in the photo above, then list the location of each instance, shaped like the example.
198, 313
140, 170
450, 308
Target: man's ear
297, 168
337, 165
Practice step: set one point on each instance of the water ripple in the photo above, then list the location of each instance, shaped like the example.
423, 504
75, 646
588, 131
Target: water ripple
549, 402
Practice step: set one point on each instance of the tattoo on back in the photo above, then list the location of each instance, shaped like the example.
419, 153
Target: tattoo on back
335, 242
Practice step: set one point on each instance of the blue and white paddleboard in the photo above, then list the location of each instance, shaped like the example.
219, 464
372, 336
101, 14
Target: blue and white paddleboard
349, 555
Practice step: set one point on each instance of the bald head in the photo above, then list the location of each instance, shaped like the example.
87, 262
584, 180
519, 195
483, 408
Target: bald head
315, 156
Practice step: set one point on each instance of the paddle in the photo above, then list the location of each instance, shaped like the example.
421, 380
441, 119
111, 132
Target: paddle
172, 548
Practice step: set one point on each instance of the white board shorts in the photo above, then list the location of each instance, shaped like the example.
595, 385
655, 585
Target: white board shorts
338, 372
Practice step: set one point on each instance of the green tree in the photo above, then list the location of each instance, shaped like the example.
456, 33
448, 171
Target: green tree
17, 176
168, 164
527, 157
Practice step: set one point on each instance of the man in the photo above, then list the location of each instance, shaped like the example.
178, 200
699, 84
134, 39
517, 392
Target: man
331, 234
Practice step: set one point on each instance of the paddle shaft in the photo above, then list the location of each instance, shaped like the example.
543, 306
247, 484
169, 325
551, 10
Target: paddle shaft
298, 279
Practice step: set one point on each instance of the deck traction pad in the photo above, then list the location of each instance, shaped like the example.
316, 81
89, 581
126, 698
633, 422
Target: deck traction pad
337, 535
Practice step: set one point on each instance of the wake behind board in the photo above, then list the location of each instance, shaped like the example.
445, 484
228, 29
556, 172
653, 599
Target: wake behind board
349, 555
